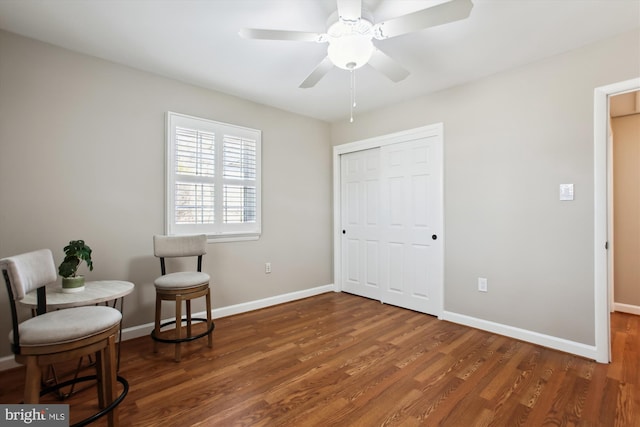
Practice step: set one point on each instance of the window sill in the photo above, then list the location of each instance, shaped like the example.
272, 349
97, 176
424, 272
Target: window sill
217, 238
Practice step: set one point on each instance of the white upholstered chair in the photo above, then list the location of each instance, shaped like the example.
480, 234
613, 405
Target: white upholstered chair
181, 286
61, 335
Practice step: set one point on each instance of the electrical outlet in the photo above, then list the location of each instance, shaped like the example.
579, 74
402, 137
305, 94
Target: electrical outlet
267, 267
482, 284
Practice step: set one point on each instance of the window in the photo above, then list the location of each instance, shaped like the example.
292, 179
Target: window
213, 178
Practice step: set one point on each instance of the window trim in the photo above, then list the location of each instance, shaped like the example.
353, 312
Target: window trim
218, 232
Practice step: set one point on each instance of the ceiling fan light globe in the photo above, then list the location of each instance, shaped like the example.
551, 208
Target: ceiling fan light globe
350, 52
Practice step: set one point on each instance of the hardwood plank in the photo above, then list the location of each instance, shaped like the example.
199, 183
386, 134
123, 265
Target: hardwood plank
341, 360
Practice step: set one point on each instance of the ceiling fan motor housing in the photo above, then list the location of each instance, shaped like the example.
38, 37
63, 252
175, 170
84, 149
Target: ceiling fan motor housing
350, 45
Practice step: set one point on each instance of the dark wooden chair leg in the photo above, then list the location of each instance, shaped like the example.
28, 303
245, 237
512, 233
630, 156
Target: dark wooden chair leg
178, 327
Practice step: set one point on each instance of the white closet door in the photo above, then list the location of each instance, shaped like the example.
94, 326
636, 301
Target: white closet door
360, 200
411, 225
391, 216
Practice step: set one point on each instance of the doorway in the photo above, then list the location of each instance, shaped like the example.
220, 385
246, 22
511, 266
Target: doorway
388, 219
602, 204
624, 203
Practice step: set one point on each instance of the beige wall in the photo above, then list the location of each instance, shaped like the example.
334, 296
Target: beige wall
82, 156
509, 141
82, 152
626, 179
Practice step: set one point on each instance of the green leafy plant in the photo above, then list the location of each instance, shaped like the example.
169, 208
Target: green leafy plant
75, 252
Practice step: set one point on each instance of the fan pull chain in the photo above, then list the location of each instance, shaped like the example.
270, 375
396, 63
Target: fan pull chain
353, 93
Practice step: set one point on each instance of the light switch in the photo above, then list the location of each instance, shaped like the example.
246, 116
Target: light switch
566, 191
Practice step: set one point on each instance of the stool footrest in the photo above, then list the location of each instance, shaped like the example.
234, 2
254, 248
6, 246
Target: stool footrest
101, 413
155, 337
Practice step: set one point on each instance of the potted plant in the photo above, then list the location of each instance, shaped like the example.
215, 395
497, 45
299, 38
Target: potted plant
75, 252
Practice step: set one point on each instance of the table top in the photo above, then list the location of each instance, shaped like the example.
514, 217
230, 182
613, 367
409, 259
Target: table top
95, 292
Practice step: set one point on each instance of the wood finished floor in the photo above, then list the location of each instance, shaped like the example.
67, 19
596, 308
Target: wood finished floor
341, 360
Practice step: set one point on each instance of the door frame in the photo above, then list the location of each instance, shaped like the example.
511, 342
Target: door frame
429, 131
602, 222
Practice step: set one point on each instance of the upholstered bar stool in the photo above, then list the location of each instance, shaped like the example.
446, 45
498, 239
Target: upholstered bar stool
61, 335
181, 286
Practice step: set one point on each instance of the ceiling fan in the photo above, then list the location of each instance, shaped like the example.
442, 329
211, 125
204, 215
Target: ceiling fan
351, 32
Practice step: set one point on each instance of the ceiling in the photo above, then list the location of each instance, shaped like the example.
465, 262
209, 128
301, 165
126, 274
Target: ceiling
197, 41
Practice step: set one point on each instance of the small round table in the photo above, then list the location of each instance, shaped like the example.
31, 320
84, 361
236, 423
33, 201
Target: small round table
94, 293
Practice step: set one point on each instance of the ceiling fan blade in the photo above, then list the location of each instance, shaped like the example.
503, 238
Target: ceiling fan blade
387, 66
318, 73
444, 13
301, 36
349, 10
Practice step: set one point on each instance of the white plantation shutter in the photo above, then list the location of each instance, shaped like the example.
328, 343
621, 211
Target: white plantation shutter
213, 178
194, 203
194, 168
239, 162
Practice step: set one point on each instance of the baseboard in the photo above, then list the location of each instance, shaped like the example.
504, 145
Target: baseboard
270, 301
217, 313
8, 362
549, 341
626, 308
555, 343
